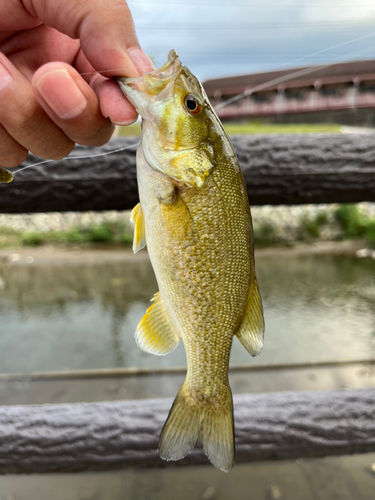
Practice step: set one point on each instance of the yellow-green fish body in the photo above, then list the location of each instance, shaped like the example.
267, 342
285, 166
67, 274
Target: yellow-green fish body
194, 216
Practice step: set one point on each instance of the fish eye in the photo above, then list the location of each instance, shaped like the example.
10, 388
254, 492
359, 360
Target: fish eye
192, 105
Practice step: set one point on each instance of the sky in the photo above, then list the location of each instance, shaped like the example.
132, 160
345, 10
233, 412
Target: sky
229, 37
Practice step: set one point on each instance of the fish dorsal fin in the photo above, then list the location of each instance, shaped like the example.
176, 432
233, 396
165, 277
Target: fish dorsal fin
139, 240
251, 331
155, 332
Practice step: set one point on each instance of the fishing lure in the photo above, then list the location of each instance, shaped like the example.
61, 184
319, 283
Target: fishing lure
5, 175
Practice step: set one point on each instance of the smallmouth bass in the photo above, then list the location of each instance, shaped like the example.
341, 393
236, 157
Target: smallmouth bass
194, 216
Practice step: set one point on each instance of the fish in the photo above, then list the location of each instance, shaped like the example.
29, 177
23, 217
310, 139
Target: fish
5, 175
194, 216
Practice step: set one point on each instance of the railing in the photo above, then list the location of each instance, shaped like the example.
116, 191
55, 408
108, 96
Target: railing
310, 100
101, 436
278, 169
111, 435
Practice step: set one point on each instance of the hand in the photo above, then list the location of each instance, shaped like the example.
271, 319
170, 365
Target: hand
51, 91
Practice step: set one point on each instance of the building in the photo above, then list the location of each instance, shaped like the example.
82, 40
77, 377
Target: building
341, 93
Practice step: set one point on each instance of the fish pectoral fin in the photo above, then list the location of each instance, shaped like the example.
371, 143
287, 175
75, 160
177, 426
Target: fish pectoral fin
191, 167
139, 240
251, 331
155, 332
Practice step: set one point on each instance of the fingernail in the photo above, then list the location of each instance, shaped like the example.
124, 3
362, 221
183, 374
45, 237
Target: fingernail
126, 123
61, 93
140, 60
5, 77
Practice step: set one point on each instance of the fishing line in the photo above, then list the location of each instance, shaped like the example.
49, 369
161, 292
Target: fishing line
289, 76
76, 157
353, 40
328, 49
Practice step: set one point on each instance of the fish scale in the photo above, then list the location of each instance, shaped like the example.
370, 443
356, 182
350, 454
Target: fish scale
195, 218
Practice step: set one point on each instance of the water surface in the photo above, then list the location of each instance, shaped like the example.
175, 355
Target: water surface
82, 315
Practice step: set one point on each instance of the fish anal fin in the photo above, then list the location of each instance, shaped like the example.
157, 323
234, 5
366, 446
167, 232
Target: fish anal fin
251, 330
209, 424
139, 240
155, 332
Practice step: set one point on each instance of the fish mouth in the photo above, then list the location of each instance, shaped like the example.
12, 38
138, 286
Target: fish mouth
154, 82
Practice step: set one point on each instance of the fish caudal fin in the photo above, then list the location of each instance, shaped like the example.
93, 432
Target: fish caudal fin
210, 424
251, 331
155, 332
139, 239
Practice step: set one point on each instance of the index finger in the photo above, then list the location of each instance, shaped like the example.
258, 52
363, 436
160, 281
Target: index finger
105, 29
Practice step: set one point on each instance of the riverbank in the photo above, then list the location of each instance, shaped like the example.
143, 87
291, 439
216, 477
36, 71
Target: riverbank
273, 226
48, 254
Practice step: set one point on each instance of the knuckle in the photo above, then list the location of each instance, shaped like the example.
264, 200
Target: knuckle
26, 116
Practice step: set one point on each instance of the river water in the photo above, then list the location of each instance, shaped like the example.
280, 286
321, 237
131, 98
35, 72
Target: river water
82, 313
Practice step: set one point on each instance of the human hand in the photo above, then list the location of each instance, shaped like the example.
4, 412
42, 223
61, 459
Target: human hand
52, 94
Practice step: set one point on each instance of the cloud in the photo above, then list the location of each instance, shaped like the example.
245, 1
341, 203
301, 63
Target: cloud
223, 37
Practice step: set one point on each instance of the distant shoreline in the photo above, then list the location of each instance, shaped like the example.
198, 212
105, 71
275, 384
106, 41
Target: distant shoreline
88, 254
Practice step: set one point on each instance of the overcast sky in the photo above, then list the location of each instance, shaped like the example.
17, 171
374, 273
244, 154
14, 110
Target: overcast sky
229, 37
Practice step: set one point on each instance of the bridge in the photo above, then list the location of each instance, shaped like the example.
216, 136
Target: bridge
314, 89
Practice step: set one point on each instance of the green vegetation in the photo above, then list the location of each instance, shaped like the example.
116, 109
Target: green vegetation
106, 232
9, 237
355, 224
311, 226
351, 220
370, 233
348, 222
103, 233
127, 238
345, 222
265, 234
32, 239
256, 127
130, 130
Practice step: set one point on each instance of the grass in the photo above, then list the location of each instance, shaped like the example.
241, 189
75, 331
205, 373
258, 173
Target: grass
255, 127
311, 226
355, 224
32, 239
130, 130
352, 222
348, 219
106, 232
264, 234
9, 237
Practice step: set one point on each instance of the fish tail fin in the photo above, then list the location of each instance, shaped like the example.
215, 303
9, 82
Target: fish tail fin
209, 422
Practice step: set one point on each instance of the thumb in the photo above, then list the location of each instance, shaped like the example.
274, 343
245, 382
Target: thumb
105, 29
